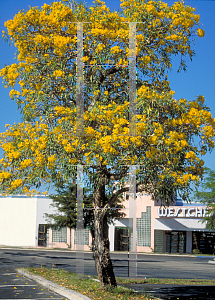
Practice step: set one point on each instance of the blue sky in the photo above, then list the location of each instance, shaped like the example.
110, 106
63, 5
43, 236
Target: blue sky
198, 80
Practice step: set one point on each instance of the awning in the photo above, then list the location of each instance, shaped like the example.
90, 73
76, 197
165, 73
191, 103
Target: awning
179, 224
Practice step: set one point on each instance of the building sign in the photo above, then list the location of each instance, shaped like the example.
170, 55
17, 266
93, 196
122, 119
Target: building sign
186, 212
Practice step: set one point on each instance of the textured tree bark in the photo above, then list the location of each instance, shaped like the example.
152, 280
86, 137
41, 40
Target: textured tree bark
101, 255
101, 242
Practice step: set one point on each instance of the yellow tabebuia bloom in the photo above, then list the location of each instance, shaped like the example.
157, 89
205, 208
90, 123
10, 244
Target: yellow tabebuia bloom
16, 183
200, 32
53, 74
57, 73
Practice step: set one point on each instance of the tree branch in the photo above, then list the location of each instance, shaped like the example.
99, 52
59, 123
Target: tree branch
122, 190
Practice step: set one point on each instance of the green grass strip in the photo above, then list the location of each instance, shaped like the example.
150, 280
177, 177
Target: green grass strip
89, 287
86, 285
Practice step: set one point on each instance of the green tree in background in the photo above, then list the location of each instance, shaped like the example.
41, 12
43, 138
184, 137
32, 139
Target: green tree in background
206, 194
65, 202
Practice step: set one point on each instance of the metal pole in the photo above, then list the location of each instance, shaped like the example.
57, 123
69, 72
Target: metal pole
128, 252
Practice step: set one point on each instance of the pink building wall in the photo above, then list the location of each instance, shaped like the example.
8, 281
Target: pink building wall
67, 244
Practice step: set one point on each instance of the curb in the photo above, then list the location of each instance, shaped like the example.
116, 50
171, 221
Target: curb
71, 295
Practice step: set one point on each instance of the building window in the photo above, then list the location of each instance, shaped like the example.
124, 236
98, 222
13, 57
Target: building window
144, 229
204, 242
59, 236
82, 237
43, 235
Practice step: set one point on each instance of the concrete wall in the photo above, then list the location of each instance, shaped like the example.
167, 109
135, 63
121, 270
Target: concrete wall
18, 221
20, 217
43, 206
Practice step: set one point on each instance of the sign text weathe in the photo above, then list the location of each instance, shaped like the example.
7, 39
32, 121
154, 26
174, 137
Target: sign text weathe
190, 212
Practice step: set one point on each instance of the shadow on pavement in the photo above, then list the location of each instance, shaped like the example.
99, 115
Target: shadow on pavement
176, 292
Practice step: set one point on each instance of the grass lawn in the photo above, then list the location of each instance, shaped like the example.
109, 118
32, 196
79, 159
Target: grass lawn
89, 287
86, 286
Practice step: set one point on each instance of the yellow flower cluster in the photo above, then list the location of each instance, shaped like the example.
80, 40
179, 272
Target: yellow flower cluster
61, 43
10, 73
25, 163
151, 153
100, 47
150, 7
191, 155
14, 93
5, 175
52, 159
145, 59
200, 32
184, 179
115, 49
58, 73
207, 131
16, 183
68, 148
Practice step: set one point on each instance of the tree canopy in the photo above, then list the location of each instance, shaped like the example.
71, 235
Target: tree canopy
171, 135
45, 146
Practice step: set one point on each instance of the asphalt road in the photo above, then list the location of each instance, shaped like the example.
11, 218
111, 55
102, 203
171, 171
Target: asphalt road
175, 292
16, 286
149, 266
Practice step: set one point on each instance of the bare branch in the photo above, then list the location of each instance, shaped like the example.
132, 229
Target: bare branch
123, 190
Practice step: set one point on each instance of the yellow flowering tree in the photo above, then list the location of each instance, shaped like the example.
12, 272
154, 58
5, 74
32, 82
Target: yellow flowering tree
46, 147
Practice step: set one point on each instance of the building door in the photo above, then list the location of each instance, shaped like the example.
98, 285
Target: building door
121, 240
43, 235
175, 241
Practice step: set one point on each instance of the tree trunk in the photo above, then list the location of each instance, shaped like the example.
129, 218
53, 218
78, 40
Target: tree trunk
101, 255
101, 242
